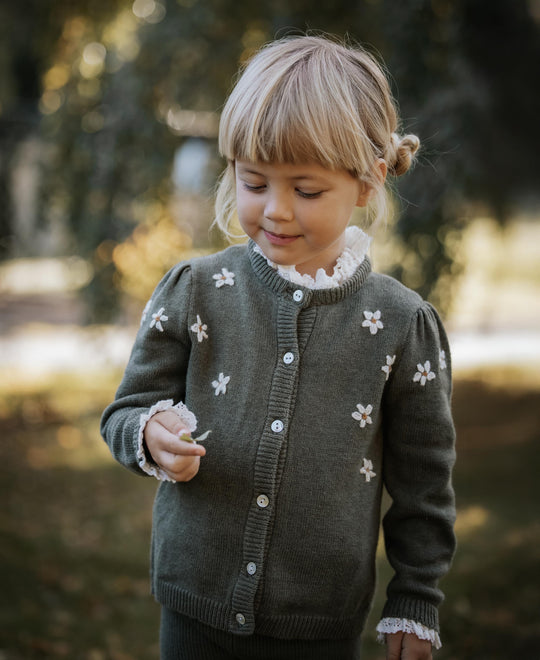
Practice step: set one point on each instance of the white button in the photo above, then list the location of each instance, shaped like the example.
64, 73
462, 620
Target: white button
251, 568
277, 426
241, 619
288, 358
298, 295
263, 501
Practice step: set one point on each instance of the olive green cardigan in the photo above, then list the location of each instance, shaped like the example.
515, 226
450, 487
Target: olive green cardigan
315, 399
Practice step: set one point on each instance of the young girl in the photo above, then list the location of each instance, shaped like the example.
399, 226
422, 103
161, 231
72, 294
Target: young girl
319, 381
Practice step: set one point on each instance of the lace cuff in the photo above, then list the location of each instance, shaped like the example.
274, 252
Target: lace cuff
185, 415
391, 625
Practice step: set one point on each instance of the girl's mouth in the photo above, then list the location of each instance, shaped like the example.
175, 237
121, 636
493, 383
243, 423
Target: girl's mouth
279, 239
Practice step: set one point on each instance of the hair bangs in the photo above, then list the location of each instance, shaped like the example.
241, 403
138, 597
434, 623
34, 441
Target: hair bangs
293, 118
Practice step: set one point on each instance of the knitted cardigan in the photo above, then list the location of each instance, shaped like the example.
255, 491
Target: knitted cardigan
315, 399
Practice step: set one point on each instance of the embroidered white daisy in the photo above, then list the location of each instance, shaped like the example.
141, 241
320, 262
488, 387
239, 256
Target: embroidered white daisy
158, 318
220, 385
225, 277
200, 328
442, 359
373, 321
362, 415
145, 311
367, 470
424, 373
387, 368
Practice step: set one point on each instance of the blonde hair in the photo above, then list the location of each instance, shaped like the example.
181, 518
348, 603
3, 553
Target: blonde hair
313, 100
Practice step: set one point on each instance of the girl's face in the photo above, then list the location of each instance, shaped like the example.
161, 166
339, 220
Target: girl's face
297, 214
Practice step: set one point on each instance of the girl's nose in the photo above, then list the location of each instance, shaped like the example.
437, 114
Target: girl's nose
278, 208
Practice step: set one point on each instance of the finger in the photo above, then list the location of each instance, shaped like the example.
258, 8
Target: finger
393, 645
183, 448
181, 469
172, 422
415, 648
171, 443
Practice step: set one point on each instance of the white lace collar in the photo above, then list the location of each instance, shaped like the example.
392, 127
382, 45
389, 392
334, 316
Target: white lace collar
357, 245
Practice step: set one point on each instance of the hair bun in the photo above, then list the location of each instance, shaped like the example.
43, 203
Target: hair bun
401, 153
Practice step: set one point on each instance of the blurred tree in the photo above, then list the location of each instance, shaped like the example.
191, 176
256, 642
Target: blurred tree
122, 84
137, 87
467, 75
30, 31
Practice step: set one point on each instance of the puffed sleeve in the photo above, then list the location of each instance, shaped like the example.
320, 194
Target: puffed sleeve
156, 372
419, 454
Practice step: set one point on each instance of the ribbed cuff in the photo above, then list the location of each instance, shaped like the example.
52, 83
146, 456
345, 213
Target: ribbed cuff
402, 607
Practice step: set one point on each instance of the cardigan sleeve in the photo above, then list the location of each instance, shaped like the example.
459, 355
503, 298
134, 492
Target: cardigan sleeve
419, 453
156, 371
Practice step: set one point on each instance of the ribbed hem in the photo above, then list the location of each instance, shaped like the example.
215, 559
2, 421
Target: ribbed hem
415, 610
221, 616
208, 611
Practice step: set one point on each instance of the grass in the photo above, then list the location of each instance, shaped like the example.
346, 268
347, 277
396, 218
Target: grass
74, 531
74, 527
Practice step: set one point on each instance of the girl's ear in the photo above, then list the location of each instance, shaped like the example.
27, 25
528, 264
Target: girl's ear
379, 173
364, 194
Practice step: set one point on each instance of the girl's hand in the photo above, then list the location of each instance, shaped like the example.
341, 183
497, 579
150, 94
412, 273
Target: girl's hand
406, 646
178, 458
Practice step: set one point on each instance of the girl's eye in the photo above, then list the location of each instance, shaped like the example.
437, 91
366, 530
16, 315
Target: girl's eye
253, 188
308, 195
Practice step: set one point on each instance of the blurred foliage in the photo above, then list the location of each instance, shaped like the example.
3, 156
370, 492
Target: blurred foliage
142, 258
115, 88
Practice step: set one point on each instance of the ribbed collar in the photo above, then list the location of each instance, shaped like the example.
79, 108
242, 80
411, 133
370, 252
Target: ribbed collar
274, 281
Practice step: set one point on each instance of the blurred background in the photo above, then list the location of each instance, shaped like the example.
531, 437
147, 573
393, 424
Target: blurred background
108, 121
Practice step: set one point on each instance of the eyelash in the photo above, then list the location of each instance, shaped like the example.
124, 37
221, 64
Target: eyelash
309, 195
305, 195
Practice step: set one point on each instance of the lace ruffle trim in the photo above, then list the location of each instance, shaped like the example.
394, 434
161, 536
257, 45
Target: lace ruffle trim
357, 246
185, 415
390, 625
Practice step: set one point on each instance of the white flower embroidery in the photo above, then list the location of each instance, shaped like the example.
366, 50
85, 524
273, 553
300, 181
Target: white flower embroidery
145, 311
220, 385
442, 359
363, 414
157, 319
387, 368
373, 321
225, 277
200, 328
424, 373
367, 470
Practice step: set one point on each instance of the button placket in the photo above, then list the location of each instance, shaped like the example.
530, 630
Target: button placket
272, 446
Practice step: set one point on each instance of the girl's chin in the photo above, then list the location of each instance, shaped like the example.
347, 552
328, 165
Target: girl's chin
281, 256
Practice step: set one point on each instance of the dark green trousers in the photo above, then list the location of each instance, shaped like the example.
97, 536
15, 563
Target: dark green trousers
182, 638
